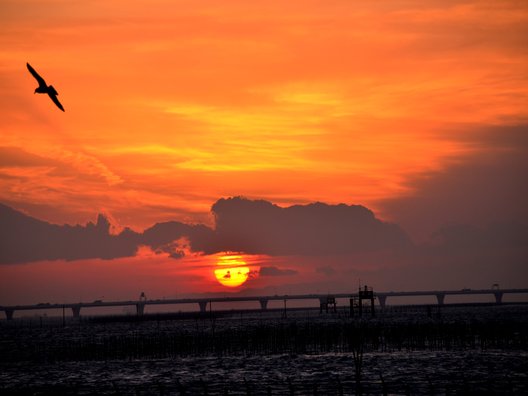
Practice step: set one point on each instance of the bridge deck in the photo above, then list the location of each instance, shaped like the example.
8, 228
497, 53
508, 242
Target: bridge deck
202, 302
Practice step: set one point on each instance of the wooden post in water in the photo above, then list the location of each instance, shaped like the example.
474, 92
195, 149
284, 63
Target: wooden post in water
360, 305
339, 387
384, 390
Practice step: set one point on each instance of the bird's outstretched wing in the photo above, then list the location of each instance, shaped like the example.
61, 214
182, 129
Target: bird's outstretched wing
53, 96
39, 79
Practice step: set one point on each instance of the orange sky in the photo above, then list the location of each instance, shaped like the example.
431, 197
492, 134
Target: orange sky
171, 105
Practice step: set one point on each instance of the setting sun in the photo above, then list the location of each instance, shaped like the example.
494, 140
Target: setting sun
233, 271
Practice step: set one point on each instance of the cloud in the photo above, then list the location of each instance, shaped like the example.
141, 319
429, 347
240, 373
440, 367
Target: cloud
464, 254
350, 233
26, 239
260, 227
274, 271
326, 270
488, 185
464, 237
16, 157
23, 239
252, 227
166, 237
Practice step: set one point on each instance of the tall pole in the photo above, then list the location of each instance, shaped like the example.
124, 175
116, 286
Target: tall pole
360, 305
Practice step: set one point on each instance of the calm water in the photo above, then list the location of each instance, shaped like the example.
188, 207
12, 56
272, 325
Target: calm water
455, 371
419, 372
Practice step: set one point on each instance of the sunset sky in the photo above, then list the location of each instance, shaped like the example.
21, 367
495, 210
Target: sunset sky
417, 110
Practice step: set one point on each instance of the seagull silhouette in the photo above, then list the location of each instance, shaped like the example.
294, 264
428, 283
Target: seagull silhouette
44, 88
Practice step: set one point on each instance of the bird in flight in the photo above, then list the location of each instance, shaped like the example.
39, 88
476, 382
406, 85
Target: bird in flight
44, 88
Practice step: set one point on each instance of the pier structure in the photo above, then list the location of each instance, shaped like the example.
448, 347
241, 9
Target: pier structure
325, 301
364, 294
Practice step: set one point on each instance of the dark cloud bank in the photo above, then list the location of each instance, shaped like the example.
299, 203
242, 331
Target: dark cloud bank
314, 229
253, 227
274, 271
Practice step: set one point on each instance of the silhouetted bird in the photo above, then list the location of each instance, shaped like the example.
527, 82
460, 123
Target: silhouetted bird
45, 88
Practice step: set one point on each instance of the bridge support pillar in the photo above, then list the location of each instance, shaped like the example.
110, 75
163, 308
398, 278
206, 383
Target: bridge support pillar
140, 309
498, 297
9, 314
440, 297
203, 306
382, 300
263, 304
323, 305
76, 310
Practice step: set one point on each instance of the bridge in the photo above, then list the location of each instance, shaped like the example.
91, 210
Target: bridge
263, 300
